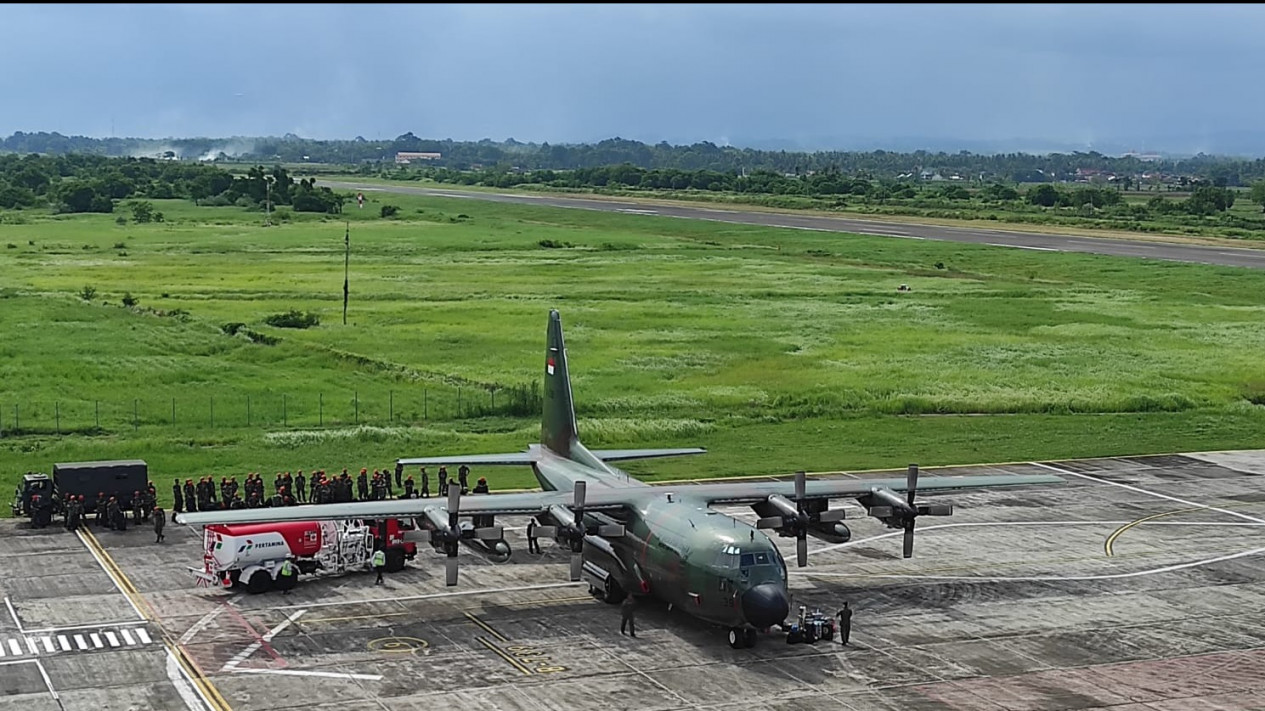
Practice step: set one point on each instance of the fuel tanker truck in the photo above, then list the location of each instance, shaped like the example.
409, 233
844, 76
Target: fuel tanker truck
249, 556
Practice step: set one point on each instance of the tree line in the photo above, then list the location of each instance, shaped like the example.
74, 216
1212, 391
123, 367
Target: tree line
465, 155
77, 182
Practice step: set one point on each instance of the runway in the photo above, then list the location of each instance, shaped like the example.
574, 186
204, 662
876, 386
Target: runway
1223, 256
1135, 586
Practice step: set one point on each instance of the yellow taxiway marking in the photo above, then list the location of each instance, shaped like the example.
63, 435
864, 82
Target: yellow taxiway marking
486, 627
1111, 540
503, 655
207, 690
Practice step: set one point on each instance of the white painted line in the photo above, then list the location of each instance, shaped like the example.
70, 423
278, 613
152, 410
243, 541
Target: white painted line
47, 682
273, 632
184, 687
296, 672
1, 650
30, 643
431, 596
14, 614
80, 642
127, 636
70, 628
96, 640
48, 644
1022, 246
17, 650
143, 635
1046, 578
114, 640
198, 626
65, 643
1184, 502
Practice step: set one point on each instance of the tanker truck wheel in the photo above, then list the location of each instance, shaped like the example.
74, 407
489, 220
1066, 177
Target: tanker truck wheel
260, 581
395, 560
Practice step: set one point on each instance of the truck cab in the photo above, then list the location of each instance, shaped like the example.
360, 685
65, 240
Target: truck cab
35, 498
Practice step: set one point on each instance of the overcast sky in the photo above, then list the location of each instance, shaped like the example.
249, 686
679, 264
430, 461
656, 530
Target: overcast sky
1079, 74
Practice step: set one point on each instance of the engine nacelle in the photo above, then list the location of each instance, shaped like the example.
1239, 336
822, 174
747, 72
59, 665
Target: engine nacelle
830, 532
494, 551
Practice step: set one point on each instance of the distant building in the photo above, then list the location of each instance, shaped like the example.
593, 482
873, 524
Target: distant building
404, 157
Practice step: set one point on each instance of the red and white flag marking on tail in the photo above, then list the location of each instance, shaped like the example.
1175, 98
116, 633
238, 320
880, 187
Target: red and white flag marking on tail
549, 365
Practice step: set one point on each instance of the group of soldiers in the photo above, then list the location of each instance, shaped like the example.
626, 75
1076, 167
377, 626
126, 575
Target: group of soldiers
110, 511
208, 495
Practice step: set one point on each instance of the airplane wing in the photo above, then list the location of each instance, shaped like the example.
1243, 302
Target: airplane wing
615, 455
756, 491
528, 503
513, 458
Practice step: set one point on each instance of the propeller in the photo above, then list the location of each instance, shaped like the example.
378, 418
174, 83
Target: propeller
571, 529
796, 518
448, 532
908, 510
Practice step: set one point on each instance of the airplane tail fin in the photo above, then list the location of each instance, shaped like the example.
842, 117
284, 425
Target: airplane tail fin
557, 427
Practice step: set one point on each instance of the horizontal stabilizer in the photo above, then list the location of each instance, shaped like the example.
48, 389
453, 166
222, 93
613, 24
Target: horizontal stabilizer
615, 455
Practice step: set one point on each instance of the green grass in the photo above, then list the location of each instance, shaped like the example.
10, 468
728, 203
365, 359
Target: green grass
776, 349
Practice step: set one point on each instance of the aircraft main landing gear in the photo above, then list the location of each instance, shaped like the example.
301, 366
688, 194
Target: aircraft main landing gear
740, 637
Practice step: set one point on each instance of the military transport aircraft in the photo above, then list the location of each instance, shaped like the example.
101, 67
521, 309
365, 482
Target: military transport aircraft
630, 538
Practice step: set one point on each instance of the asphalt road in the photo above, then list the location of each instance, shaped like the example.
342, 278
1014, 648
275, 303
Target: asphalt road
1225, 256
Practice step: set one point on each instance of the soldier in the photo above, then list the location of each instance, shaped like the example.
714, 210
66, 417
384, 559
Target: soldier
425, 484
190, 496
408, 487
254, 501
178, 506
362, 485
136, 508
399, 471
443, 481
386, 480
379, 562
482, 486
114, 518
300, 486
276, 483
628, 616
533, 545
286, 498
210, 493
159, 519
845, 623
276, 501
236, 502
463, 476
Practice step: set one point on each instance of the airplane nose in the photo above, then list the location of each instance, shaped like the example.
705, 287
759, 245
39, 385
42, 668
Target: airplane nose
765, 605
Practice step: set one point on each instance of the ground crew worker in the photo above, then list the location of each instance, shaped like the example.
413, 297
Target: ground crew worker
533, 545
627, 615
845, 623
425, 484
287, 575
379, 562
463, 477
159, 520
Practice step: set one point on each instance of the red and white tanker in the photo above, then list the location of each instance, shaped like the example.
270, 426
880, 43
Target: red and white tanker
251, 555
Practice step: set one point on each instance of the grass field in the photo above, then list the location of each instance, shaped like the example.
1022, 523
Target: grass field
776, 349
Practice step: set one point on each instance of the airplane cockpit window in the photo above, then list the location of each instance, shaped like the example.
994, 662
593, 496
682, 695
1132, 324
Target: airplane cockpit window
748, 560
728, 557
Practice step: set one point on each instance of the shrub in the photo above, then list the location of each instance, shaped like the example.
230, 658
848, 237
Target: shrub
389, 210
231, 329
120, 245
11, 245
129, 300
293, 319
554, 244
87, 293
120, 220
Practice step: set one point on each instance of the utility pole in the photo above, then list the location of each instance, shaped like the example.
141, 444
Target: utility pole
346, 268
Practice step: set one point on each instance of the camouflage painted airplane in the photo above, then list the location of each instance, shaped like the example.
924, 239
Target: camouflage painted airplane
630, 538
